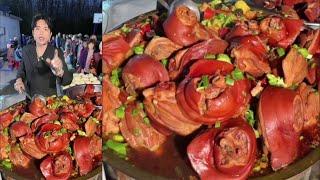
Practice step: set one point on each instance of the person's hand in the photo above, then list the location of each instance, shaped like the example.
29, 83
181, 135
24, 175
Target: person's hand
19, 85
56, 64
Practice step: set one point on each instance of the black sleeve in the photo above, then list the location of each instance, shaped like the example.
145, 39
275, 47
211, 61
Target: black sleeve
22, 69
67, 77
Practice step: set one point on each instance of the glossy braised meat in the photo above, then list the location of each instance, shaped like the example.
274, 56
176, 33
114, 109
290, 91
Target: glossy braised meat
28, 145
227, 152
218, 102
281, 115
182, 27
295, 67
251, 56
197, 51
143, 71
137, 131
161, 106
161, 48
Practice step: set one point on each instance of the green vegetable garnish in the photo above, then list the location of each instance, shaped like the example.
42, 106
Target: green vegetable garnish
81, 133
281, 52
6, 163
17, 118
138, 49
217, 124
135, 112
95, 120
47, 134
5, 131
213, 3
120, 112
8, 148
56, 122
204, 83
140, 105
136, 132
146, 120
237, 74
210, 56
275, 81
69, 150
165, 62
250, 117
120, 148
229, 80
224, 58
115, 77
118, 138
125, 29
303, 51
61, 131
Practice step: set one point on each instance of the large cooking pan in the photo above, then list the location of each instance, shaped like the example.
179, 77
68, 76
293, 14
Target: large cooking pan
178, 166
35, 173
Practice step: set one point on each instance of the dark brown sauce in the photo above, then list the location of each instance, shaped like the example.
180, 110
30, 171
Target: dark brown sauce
169, 161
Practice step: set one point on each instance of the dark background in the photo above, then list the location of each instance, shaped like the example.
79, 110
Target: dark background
69, 16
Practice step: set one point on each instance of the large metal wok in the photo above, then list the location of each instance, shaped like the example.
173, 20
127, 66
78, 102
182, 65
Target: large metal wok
180, 166
34, 172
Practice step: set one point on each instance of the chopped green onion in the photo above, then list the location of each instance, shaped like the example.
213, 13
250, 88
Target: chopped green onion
131, 98
135, 112
257, 169
303, 51
237, 74
256, 132
118, 138
224, 58
81, 133
250, 77
140, 105
47, 134
213, 3
17, 118
120, 148
281, 52
136, 131
61, 131
5, 131
229, 80
250, 117
120, 112
6, 163
275, 81
207, 23
210, 56
138, 49
69, 150
125, 29
115, 77
95, 120
146, 120
56, 122
165, 62
217, 124
8, 148
204, 83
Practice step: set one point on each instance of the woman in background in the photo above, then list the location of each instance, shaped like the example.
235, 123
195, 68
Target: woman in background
83, 57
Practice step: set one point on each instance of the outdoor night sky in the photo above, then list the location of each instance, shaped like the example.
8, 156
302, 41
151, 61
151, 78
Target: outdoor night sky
69, 16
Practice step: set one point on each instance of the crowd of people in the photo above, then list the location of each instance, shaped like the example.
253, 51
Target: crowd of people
81, 52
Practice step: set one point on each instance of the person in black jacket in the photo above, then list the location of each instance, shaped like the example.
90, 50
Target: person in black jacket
43, 68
